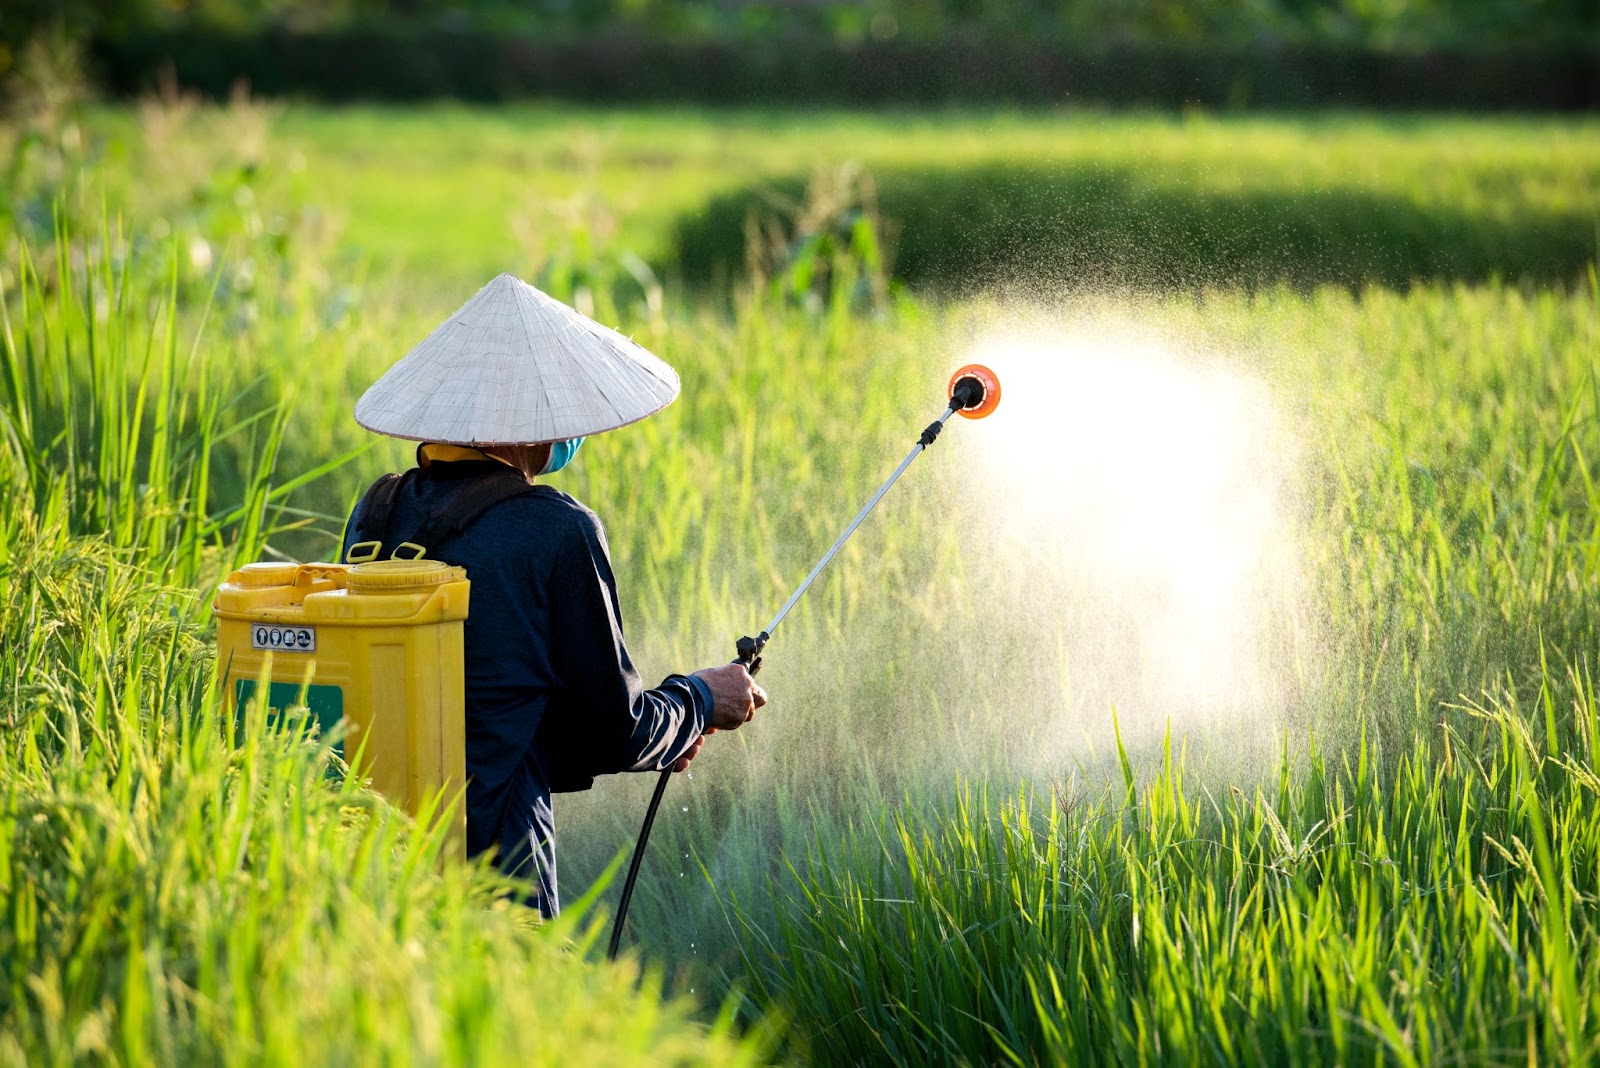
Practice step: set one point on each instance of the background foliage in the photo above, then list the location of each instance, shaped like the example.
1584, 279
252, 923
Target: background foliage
1408, 23
1523, 54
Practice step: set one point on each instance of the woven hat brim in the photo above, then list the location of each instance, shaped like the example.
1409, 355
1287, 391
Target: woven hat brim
446, 440
514, 366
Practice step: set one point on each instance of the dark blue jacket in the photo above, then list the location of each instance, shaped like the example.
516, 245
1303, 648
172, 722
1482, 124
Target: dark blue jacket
552, 697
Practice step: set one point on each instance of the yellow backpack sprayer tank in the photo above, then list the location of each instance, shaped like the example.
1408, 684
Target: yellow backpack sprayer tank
378, 645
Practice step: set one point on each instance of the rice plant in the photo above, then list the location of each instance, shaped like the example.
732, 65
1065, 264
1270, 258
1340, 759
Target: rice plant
1414, 911
968, 829
181, 887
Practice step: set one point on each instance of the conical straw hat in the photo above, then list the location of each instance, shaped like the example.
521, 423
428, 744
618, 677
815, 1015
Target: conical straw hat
516, 367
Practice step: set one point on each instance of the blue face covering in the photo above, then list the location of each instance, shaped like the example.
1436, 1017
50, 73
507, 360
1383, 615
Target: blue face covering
561, 454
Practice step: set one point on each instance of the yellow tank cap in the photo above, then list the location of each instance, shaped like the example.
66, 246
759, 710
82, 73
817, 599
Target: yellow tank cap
393, 575
270, 573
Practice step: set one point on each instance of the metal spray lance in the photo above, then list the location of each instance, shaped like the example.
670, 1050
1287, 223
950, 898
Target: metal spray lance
974, 392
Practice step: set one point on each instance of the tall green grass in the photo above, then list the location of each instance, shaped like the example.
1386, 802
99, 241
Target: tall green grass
1145, 225
448, 195
178, 888
751, 466
1446, 513
1447, 517
1425, 910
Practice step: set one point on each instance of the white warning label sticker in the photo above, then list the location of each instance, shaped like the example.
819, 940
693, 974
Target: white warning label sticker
284, 639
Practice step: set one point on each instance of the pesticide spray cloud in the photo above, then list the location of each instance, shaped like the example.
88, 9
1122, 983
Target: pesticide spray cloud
1121, 534
1143, 496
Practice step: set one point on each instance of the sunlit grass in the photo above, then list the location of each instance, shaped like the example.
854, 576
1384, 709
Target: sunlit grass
449, 195
181, 888
1437, 908
1434, 670
1443, 512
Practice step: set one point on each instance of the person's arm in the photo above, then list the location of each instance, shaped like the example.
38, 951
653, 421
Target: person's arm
625, 726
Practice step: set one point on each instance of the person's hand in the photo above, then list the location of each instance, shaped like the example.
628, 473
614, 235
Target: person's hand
734, 695
682, 763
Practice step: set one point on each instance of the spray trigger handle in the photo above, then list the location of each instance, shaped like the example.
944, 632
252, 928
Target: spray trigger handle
750, 651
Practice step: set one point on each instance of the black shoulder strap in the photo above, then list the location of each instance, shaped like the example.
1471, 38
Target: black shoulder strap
459, 511
372, 517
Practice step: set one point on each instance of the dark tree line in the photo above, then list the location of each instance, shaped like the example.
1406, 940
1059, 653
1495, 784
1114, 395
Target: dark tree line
1394, 24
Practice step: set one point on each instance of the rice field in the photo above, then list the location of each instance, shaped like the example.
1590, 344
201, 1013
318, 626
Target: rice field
1227, 697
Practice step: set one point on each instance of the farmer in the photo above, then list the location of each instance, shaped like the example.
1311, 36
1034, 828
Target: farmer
501, 393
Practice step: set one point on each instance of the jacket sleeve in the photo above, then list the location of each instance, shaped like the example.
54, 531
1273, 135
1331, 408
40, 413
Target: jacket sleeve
624, 726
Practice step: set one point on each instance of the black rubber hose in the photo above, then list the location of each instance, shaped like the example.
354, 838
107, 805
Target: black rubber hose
750, 657
638, 860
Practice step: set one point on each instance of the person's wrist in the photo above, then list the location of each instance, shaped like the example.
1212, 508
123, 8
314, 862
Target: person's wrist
708, 701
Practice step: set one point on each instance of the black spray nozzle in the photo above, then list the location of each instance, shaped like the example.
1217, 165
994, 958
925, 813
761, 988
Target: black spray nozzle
968, 392
750, 651
974, 391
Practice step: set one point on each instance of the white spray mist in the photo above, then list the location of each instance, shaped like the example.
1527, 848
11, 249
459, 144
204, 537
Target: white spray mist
1143, 502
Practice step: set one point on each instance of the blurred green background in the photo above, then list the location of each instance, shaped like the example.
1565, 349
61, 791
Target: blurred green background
1278, 53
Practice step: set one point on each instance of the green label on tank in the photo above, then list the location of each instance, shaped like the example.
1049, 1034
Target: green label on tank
325, 703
